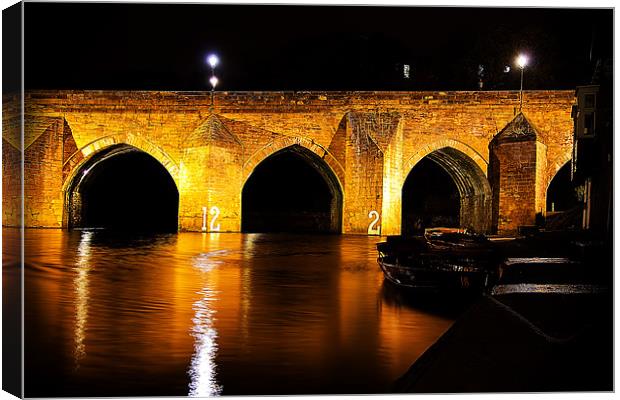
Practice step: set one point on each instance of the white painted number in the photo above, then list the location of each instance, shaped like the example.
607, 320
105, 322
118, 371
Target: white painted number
216, 213
204, 219
372, 228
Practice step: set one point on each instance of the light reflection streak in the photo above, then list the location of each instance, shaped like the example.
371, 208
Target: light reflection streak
246, 295
81, 291
202, 369
246, 292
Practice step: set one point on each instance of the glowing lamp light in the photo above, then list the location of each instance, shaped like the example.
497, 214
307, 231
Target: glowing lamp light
213, 81
213, 60
522, 61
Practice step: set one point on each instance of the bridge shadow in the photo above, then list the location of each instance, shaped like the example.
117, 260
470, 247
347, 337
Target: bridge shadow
446, 188
447, 305
292, 191
123, 189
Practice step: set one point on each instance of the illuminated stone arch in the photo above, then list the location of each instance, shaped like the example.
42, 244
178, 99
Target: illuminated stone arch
77, 160
317, 156
468, 170
455, 144
555, 166
98, 151
559, 190
280, 144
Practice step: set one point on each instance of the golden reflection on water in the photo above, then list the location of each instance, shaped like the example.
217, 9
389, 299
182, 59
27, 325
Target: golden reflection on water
246, 291
396, 325
80, 284
214, 313
202, 370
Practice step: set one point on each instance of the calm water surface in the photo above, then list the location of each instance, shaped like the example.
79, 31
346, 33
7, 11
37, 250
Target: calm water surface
208, 314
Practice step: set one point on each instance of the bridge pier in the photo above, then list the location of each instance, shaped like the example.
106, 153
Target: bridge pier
517, 175
210, 179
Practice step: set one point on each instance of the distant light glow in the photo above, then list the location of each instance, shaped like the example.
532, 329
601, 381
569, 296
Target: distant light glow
213, 60
406, 71
213, 81
506, 69
522, 61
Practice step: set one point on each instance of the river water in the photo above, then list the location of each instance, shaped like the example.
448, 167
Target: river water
213, 314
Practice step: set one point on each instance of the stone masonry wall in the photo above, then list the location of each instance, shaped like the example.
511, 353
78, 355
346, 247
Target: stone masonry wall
369, 140
11, 161
11, 184
43, 198
516, 185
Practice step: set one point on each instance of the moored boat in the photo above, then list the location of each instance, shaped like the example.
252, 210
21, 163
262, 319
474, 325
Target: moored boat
444, 259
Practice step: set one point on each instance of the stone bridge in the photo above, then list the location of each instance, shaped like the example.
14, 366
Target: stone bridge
363, 143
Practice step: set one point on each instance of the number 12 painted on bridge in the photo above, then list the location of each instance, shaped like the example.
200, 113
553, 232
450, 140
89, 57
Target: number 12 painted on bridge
215, 212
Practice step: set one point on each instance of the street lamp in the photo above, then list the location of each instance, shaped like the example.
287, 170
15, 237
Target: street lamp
213, 81
213, 61
521, 62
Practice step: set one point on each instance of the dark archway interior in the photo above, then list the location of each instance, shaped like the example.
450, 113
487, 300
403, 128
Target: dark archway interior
430, 198
291, 191
126, 190
561, 195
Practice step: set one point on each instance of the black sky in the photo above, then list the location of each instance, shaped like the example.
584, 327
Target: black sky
163, 46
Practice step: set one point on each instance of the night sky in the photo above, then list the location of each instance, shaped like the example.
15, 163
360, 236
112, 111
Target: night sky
163, 46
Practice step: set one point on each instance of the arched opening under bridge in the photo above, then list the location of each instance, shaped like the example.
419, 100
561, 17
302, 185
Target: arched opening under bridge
564, 206
292, 190
561, 194
123, 188
446, 188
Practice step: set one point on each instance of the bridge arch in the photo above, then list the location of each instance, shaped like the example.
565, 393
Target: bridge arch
293, 189
131, 158
466, 168
563, 206
560, 193
282, 143
77, 160
555, 166
476, 157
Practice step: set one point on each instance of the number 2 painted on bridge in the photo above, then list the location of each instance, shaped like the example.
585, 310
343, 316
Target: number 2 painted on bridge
216, 213
372, 228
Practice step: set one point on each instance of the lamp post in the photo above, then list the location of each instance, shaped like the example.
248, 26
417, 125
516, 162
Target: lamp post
213, 60
521, 62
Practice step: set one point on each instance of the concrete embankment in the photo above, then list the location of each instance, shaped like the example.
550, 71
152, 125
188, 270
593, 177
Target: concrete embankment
521, 342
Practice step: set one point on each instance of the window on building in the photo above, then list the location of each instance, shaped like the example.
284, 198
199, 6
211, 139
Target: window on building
589, 101
588, 123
